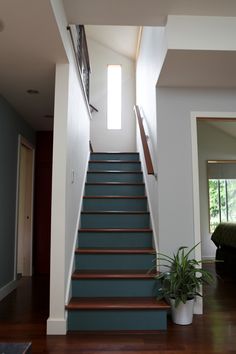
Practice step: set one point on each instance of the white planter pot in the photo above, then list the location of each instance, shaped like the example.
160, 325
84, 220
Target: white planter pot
183, 313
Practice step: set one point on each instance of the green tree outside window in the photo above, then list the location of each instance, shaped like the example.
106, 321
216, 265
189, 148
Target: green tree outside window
222, 201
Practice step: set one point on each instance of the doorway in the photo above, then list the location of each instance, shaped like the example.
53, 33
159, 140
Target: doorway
194, 118
216, 155
25, 208
208, 117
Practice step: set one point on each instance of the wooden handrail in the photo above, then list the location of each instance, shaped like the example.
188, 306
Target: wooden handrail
146, 150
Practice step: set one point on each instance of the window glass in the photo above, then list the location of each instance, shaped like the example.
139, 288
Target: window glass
114, 97
222, 201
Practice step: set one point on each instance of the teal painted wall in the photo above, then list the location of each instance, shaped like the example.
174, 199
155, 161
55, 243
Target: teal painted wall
11, 125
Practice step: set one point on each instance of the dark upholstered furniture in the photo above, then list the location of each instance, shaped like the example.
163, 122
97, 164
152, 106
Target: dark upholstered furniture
224, 237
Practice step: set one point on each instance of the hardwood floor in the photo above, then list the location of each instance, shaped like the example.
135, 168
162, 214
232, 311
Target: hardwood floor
23, 316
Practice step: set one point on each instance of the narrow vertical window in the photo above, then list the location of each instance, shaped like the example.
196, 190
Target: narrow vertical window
114, 97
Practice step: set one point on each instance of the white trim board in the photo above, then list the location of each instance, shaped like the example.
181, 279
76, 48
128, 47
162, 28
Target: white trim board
22, 141
56, 326
195, 169
198, 308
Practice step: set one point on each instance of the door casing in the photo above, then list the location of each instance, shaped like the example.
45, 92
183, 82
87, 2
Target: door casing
24, 208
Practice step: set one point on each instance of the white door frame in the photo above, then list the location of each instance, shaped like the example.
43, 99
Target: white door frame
23, 141
195, 169
195, 175
198, 307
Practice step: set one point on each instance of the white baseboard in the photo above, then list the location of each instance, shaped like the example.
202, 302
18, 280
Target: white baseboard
7, 289
198, 306
56, 326
208, 259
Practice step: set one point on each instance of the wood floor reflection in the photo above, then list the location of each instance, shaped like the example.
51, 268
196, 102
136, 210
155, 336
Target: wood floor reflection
24, 312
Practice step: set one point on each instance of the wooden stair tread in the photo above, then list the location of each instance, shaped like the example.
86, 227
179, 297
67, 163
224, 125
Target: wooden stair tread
115, 212
113, 274
114, 171
114, 161
115, 197
115, 183
115, 230
117, 303
114, 251
114, 152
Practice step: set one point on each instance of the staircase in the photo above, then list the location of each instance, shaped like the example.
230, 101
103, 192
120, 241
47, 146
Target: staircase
111, 288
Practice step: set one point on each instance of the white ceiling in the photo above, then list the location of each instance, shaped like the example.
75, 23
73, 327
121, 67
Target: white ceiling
122, 39
142, 12
30, 44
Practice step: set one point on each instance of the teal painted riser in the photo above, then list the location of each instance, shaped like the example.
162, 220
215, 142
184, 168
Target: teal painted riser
116, 221
114, 166
117, 189
114, 156
114, 177
113, 287
114, 261
115, 240
115, 204
117, 320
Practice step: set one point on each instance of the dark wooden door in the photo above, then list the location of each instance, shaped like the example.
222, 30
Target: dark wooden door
42, 202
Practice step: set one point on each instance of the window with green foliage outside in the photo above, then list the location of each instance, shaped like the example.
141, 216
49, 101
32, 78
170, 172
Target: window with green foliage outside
222, 201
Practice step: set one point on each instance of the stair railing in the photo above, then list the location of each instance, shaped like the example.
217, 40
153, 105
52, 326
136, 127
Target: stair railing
146, 151
83, 56
80, 48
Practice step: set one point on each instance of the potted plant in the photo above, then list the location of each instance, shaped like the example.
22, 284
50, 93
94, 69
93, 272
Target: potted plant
181, 282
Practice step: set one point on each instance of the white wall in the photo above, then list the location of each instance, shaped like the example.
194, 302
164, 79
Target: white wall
77, 161
56, 323
213, 144
167, 112
70, 158
175, 180
151, 56
103, 139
